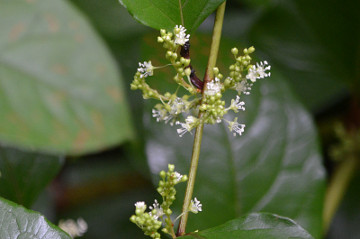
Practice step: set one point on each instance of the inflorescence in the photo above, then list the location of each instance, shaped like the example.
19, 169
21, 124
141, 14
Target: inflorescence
159, 214
184, 110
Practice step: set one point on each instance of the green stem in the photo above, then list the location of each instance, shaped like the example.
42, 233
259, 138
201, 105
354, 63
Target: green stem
172, 232
181, 14
337, 188
209, 75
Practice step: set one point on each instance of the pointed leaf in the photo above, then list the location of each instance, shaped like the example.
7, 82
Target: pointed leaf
275, 166
59, 85
25, 174
165, 14
19, 222
255, 226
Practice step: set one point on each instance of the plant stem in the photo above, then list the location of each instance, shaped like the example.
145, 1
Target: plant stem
172, 232
181, 14
209, 75
337, 188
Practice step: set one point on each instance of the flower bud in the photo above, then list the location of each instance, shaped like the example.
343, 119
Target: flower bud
216, 70
188, 71
171, 167
234, 51
160, 40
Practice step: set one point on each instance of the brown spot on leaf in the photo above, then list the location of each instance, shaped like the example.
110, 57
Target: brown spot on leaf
16, 31
81, 139
114, 93
52, 22
59, 69
98, 122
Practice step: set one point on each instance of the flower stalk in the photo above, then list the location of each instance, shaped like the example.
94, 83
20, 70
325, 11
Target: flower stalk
209, 76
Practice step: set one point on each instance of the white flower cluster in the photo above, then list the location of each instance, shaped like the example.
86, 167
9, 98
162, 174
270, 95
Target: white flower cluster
213, 87
146, 69
258, 71
190, 123
160, 214
74, 228
180, 36
203, 98
169, 111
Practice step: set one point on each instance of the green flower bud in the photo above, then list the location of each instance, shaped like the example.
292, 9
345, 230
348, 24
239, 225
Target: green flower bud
234, 51
171, 167
251, 49
160, 40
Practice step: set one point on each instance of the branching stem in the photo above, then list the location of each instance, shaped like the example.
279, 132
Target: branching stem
209, 75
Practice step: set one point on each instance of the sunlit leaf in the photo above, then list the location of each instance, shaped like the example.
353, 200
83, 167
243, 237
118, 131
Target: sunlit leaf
60, 89
165, 14
254, 226
19, 222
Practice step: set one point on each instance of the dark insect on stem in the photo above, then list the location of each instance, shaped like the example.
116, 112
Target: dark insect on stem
185, 52
195, 80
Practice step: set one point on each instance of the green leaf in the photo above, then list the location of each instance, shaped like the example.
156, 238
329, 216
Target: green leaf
275, 166
111, 19
25, 174
60, 88
254, 226
19, 222
165, 14
308, 50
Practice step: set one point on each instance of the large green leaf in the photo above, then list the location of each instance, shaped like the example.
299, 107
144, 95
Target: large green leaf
18, 222
308, 50
111, 19
254, 226
60, 88
166, 13
25, 174
275, 166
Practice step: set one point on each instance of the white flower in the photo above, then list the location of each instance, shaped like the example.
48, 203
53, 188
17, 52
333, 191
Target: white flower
180, 36
140, 206
237, 104
213, 87
159, 211
146, 69
177, 176
195, 206
74, 229
190, 121
160, 114
176, 107
236, 127
243, 87
258, 71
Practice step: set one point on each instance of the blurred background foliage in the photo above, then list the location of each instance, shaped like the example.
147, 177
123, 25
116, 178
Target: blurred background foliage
314, 50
